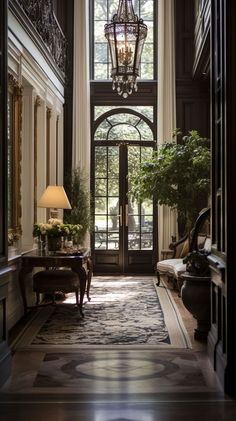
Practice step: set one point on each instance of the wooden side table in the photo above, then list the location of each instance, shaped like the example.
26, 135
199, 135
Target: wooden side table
81, 264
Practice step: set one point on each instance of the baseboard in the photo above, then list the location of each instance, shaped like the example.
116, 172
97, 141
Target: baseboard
5, 363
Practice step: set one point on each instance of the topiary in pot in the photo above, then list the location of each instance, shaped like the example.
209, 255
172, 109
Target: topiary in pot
79, 197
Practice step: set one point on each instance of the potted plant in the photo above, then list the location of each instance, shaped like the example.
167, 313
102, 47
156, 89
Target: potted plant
177, 175
197, 263
79, 197
195, 291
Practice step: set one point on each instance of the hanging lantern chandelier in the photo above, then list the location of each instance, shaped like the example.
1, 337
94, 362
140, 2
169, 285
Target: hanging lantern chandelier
126, 35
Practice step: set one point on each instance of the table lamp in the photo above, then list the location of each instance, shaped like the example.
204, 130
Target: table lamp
54, 197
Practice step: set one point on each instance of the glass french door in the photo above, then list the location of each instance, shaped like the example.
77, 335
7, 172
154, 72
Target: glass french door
124, 239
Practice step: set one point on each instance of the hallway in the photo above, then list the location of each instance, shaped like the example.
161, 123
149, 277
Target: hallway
116, 384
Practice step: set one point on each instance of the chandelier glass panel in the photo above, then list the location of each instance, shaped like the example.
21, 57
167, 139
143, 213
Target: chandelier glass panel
126, 34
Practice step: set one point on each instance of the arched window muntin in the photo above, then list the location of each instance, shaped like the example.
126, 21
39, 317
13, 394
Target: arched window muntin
140, 119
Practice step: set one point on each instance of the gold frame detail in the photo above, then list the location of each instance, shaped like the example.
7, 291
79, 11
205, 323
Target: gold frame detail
15, 137
37, 104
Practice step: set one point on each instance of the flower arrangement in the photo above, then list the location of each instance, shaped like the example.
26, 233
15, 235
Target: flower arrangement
13, 237
55, 228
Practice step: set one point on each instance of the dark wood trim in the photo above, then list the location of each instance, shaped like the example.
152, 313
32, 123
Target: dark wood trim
57, 146
221, 344
3, 129
37, 103
201, 65
192, 95
48, 144
102, 94
68, 105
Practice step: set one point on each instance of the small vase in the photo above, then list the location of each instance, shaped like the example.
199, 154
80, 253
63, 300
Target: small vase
42, 242
54, 243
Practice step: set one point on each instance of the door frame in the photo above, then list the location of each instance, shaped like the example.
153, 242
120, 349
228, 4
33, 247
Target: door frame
115, 263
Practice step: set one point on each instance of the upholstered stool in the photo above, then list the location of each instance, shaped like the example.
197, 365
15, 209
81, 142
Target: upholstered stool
50, 281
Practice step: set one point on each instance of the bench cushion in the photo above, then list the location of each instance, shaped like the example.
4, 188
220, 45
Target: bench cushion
168, 265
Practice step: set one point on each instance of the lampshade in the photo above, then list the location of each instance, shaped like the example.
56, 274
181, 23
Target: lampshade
125, 35
54, 197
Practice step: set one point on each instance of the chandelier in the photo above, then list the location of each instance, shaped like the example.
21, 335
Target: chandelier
125, 34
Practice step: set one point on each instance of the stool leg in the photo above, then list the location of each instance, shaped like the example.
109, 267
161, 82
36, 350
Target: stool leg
37, 298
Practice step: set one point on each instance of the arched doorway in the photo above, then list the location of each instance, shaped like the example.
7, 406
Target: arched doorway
125, 234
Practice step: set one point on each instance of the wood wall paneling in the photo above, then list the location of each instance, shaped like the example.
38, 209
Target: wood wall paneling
192, 96
3, 130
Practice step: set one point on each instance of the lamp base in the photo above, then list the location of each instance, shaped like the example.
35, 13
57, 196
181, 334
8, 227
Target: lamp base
54, 213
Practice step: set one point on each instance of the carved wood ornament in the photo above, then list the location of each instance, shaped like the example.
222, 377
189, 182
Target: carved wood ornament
42, 16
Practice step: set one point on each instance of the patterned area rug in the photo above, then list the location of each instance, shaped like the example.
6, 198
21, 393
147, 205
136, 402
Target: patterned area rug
122, 311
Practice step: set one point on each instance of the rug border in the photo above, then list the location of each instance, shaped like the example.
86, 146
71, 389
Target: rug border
179, 339
163, 292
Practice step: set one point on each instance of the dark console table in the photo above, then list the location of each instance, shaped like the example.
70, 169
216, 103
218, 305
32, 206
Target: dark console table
81, 264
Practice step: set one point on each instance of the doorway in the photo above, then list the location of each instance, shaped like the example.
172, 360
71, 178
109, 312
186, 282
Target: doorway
125, 234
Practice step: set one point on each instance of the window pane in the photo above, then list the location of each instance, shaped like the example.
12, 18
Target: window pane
113, 241
147, 55
99, 31
100, 205
100, 9
101, 132
124, 132
100, 71
146, 9
101, 187
101, 162
145, 131
100, 52
146, 71
100, 223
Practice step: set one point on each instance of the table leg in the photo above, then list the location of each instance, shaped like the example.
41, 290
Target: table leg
81, 272
90, 271
22, 275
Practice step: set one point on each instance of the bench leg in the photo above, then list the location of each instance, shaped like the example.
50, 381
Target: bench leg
158, 278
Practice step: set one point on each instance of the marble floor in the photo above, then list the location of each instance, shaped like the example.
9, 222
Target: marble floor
116, 384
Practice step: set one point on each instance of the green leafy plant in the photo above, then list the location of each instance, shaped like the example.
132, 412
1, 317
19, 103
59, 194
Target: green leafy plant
197, 263
79, 197
177, 175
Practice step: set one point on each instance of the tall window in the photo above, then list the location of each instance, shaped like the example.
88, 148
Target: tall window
123, 136
103, 11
